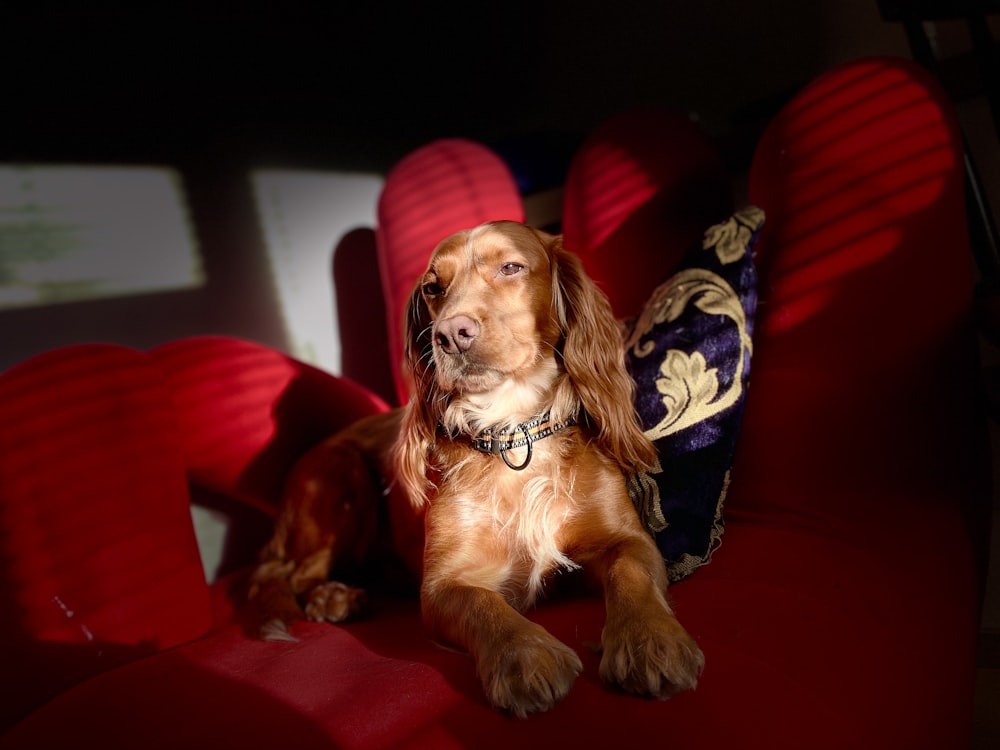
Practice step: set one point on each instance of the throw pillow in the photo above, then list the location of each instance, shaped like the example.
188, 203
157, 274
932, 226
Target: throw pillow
689, 353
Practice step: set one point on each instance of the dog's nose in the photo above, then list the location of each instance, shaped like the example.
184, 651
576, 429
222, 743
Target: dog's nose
455, 335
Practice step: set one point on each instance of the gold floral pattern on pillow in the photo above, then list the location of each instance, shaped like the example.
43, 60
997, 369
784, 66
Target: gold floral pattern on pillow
689, 352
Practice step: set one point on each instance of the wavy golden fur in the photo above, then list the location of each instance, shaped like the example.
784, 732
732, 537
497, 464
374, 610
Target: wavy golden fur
503, 330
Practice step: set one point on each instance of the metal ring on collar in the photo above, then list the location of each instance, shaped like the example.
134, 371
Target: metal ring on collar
527, 443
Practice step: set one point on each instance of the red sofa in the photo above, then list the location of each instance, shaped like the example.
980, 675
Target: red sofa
841, 610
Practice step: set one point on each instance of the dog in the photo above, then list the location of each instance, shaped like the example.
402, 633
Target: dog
507, 467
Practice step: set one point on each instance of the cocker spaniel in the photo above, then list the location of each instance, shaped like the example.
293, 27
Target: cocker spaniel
507, 466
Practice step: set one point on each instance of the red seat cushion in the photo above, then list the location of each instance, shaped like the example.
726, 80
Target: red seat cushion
381, 683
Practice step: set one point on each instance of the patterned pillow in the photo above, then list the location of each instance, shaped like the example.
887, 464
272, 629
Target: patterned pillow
689, 353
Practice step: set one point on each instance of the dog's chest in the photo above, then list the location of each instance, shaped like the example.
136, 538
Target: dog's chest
531, 499
520, 516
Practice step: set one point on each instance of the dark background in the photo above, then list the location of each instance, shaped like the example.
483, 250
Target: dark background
359, 84
215, 90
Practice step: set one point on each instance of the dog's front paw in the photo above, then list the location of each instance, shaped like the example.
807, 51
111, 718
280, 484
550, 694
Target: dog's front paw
334, 602
655, 658
528, 673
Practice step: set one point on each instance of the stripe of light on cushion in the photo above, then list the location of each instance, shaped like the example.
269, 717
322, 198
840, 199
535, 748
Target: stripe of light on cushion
640, 191
439, 189
246, 412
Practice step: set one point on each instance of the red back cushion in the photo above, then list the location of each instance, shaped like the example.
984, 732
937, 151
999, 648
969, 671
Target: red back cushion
639, 193
437, 190
863, 366
361, 313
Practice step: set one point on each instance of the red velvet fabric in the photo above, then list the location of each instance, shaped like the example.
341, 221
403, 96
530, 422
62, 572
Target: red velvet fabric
246, 412
643, 186
98, 559
364, 356
862, 464
842, 608
380, 683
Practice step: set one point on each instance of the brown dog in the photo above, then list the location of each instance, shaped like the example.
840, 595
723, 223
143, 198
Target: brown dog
512, 454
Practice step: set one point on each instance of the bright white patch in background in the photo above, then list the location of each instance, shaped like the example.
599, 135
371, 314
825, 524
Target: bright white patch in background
70, 233
303, 216
210, 529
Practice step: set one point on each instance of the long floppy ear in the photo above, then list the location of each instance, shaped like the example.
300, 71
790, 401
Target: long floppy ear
420, 417
594, 358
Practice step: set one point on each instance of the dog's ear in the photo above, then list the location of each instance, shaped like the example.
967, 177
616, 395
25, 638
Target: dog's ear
417, 361
420, 417
594, 357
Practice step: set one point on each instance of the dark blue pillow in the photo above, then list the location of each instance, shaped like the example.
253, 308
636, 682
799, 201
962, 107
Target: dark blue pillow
689, 353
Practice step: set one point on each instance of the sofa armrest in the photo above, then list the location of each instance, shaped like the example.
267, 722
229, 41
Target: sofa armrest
98, 558
246, 412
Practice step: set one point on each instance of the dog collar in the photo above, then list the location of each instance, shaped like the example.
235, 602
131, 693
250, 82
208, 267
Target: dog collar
524, 434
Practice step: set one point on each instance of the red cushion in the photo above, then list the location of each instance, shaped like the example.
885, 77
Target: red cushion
864, 374
381, 683
247, 412
98, 559
640, 191
439, 189
863, 458
361, 313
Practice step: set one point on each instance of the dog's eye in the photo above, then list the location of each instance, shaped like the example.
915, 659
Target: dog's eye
432, 289
510, 269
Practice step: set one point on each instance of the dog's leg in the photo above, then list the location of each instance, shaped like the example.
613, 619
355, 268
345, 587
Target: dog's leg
522, 667
646, 651
328, 520
324, 600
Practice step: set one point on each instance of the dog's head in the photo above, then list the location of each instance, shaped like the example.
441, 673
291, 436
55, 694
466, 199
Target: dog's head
485, 311
506, 323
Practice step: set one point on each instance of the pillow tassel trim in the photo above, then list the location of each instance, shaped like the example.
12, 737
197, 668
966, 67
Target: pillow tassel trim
687, 563
645, 495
